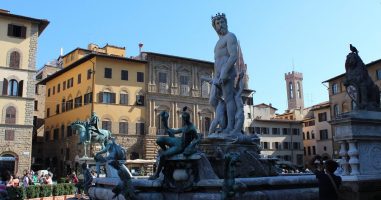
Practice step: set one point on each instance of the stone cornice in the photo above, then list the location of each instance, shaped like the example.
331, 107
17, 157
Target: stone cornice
159, 96
15, 69
16, 97
15, 126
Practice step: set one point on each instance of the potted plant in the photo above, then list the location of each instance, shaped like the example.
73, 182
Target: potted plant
32, 192
16, 193
69, 189
46, 192
58, 192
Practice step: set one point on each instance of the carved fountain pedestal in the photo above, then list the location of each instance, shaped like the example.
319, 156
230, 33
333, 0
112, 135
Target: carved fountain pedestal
181, 173
250, 164
359, 135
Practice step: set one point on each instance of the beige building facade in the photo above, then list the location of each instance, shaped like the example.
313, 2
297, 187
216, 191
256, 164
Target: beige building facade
39, 114
96, 80
280, 138
317, 133
127, 94
18, 42
173, 83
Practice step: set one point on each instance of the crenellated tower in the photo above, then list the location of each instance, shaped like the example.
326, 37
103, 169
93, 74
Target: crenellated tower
294, 85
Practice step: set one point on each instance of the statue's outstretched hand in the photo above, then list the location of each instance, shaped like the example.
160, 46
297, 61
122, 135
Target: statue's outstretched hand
171, 132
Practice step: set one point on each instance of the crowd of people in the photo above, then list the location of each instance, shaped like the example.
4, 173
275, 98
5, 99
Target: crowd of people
29, 178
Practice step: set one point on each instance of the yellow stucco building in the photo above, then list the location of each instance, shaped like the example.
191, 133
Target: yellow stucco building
18, 42
97, 80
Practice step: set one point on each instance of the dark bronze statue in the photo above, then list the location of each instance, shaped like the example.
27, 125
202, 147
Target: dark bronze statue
186, 144
230, 187
359, 85
124, 186
114, 150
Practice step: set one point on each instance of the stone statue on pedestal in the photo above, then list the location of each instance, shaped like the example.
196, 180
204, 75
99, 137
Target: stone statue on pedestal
226, 98
225, 56
359, 85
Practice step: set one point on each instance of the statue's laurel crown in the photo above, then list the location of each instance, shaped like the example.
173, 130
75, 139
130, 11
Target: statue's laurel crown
218, 16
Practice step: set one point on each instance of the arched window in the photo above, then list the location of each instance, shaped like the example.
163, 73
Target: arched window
299, 90
140, 98
291, 90
106, 124
336, 110
123, 127
123, 98
184, 85
13, 87
159, 125
14, 60
163, 82
10, 115
207, 124
8, 162
205, 89
63, 106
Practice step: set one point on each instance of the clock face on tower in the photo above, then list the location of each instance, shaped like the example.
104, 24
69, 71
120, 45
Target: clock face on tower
352, 92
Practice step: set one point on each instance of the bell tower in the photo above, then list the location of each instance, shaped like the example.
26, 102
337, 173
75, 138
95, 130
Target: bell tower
294, 85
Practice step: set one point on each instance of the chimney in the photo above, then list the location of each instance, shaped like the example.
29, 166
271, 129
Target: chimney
140, 47
140, 50
61, 51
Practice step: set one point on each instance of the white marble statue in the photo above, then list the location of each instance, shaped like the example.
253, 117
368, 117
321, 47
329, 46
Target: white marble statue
225, 56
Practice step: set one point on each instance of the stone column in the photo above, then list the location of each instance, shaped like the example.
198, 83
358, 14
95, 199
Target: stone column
173, 75
176, 115
353, 157
196, 78
343, 161
154, 110
173, 113
150, 68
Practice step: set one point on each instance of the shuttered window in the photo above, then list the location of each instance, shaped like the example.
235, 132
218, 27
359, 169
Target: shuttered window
106, 97
14, 60
123, 127
9, 135
124, 75
140, 128
106, 125
16, 31
10, 115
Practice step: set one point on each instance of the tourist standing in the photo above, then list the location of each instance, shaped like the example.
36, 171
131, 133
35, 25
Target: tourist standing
26, 181
328, 182
48, 179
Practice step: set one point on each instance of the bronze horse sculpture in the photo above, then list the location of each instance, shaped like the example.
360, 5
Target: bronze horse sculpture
87, 136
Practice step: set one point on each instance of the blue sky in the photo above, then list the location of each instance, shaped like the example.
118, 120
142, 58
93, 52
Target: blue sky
276, 37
